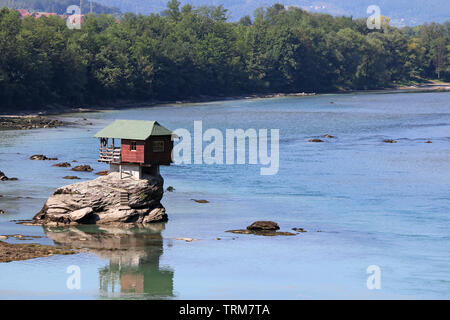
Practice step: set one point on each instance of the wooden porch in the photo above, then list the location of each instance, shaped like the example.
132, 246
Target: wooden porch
110, 155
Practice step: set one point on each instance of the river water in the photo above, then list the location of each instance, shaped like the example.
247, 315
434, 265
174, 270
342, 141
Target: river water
363, 202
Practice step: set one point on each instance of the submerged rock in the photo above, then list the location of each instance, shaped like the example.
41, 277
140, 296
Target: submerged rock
200, 201
263, 225
428, 141
299, 229
102, 173
187, 239
71, 178
389, 141
19, 237
85, 168
170, 189
268, 233
62, 165
41, 157
106, 200
329, 136
315, 140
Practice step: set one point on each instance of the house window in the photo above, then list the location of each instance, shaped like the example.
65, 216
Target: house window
158, 146
133, 146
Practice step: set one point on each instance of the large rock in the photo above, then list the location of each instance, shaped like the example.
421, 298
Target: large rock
263, 225
106, 200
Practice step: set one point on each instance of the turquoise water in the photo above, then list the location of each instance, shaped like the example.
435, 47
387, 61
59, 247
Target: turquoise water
373, 203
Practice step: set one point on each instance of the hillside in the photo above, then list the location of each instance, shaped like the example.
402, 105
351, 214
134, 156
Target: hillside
190, 53
58, 6
402, 12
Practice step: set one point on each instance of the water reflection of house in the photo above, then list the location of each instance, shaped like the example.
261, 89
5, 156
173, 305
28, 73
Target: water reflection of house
133, 255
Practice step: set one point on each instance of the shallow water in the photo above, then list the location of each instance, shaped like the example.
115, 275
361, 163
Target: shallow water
373, 203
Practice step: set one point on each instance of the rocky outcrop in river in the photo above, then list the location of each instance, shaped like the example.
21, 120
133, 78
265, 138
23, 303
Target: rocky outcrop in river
28, 122
106, 200
3, 177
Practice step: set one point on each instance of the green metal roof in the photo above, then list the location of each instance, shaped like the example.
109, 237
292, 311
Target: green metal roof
133, 130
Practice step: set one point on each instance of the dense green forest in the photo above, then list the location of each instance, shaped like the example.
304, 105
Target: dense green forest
188, 52
58, 6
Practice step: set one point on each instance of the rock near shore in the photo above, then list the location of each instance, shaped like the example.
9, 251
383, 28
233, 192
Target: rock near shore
41, 157
106, 200
28, 122
3, 177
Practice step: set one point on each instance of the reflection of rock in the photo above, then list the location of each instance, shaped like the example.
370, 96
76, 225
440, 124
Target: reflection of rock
105, 200
133, 255
315, 140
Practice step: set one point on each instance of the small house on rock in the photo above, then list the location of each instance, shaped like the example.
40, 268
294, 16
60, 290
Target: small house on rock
144, 146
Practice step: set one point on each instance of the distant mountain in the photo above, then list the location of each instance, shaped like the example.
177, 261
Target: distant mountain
58, 6
402, 12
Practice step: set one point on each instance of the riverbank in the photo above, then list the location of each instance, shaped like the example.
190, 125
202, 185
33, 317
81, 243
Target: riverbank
52, 110
434, 86
11, 122
42, 120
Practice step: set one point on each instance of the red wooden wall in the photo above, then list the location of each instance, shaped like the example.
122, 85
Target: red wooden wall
133, 156
144, 152
163, 158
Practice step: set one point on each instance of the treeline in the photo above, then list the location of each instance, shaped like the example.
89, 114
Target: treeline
57, 6
188, 52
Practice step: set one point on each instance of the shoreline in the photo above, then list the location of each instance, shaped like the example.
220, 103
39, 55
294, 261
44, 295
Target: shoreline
49, 111
10, 252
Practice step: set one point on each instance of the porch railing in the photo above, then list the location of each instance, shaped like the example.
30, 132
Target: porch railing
110, 155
